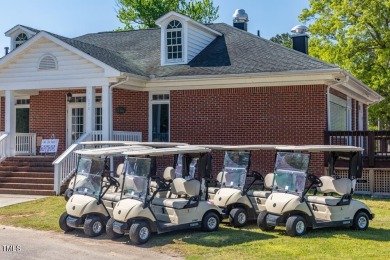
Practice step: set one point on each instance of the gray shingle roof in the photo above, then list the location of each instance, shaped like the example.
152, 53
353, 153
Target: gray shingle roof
235, 52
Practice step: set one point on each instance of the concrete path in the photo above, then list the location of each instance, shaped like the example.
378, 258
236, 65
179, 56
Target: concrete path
10, 199
20, 243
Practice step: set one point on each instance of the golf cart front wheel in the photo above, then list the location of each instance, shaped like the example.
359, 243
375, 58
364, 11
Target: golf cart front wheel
62, 222
238, 217
140, 232
360, 221
93, 226
296, 226
110, 230
262, 222
210, 222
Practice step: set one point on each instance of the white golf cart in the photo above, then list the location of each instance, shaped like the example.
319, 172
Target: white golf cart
291, 205
239, 203
140, 214
88, 208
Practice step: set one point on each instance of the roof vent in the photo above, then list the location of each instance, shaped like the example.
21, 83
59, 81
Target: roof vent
240, 19
300, 38
47, 62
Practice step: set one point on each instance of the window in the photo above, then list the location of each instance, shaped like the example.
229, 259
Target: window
339, 114
47, 62
20, 39
174, 41
159, 117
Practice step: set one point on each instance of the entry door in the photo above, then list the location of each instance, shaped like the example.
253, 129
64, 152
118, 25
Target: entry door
23, 120
76, 125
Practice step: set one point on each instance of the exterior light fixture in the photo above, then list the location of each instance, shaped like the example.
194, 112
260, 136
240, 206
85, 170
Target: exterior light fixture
69, 96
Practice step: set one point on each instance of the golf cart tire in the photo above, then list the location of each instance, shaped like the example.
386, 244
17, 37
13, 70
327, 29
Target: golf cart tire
62, 222
91, 222
110, 230
140, 232
360, 221
210, 222
68, 193
236, 215
262, 222
296, 226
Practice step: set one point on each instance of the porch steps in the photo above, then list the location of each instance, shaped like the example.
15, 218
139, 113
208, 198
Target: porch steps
29, 175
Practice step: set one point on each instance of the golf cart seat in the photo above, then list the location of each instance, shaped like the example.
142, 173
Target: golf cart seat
115, 196
185, 191
168, 176
341, 186
268, 180
213, 190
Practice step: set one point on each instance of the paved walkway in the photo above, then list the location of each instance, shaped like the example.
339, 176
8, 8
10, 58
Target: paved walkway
10, 199
21, 243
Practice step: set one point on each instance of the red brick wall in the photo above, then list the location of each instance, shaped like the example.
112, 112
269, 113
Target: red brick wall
136, 116
265, 115
48, 115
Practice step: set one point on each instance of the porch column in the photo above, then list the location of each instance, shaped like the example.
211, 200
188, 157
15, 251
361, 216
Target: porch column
90, 109
106, 126
10, 122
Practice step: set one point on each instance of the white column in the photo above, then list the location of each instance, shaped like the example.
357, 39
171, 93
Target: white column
10, 121
106, 127
90, 109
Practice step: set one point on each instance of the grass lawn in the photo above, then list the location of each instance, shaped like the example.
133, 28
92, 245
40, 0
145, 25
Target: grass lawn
230, 243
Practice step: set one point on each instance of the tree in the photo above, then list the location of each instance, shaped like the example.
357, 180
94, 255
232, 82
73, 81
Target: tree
141, 14
355, 35
283, 39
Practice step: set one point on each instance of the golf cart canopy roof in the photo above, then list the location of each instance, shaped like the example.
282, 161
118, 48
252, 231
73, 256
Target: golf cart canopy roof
168, 151
156, 144
321, 148
241, 147
110, 151
96, 143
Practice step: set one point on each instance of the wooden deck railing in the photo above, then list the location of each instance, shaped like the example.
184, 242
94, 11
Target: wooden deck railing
376, 144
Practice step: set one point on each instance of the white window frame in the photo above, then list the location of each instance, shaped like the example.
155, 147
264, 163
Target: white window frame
184, 42
15, 42
155, 102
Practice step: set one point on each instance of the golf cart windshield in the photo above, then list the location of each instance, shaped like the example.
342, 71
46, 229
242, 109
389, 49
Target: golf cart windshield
179, 168
89, 176
136, 172
290, 172
235, 166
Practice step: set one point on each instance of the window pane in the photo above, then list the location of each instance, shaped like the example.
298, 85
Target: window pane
160, 122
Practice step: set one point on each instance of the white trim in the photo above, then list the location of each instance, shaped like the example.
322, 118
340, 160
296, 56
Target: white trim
16, 27
171, 15
164, 47
153, 102
108, 70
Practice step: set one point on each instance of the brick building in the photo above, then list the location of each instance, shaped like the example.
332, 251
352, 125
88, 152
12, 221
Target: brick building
185, 82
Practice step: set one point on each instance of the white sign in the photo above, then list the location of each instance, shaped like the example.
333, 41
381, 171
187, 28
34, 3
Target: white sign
49, 146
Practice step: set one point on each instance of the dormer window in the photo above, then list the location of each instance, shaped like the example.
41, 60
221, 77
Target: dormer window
20, 39
174, 41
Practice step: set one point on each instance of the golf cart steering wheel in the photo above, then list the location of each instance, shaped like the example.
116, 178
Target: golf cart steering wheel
161, 184
113, 181
257, 175
314, 180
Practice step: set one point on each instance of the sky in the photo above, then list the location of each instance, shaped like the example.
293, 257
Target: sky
71, 18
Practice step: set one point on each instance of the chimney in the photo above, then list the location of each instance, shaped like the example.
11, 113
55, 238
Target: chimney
240, 19
6, 50
300, 38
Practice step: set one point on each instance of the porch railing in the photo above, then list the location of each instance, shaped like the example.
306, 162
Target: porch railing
3, 146
65, 164
25, 143
376, 144
118, 136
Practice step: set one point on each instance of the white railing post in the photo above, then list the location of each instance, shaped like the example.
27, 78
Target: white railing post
65, 164
3, 146
25, 143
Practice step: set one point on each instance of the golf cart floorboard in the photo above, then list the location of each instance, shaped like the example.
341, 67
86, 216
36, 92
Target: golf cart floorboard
168, 226
321, 223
